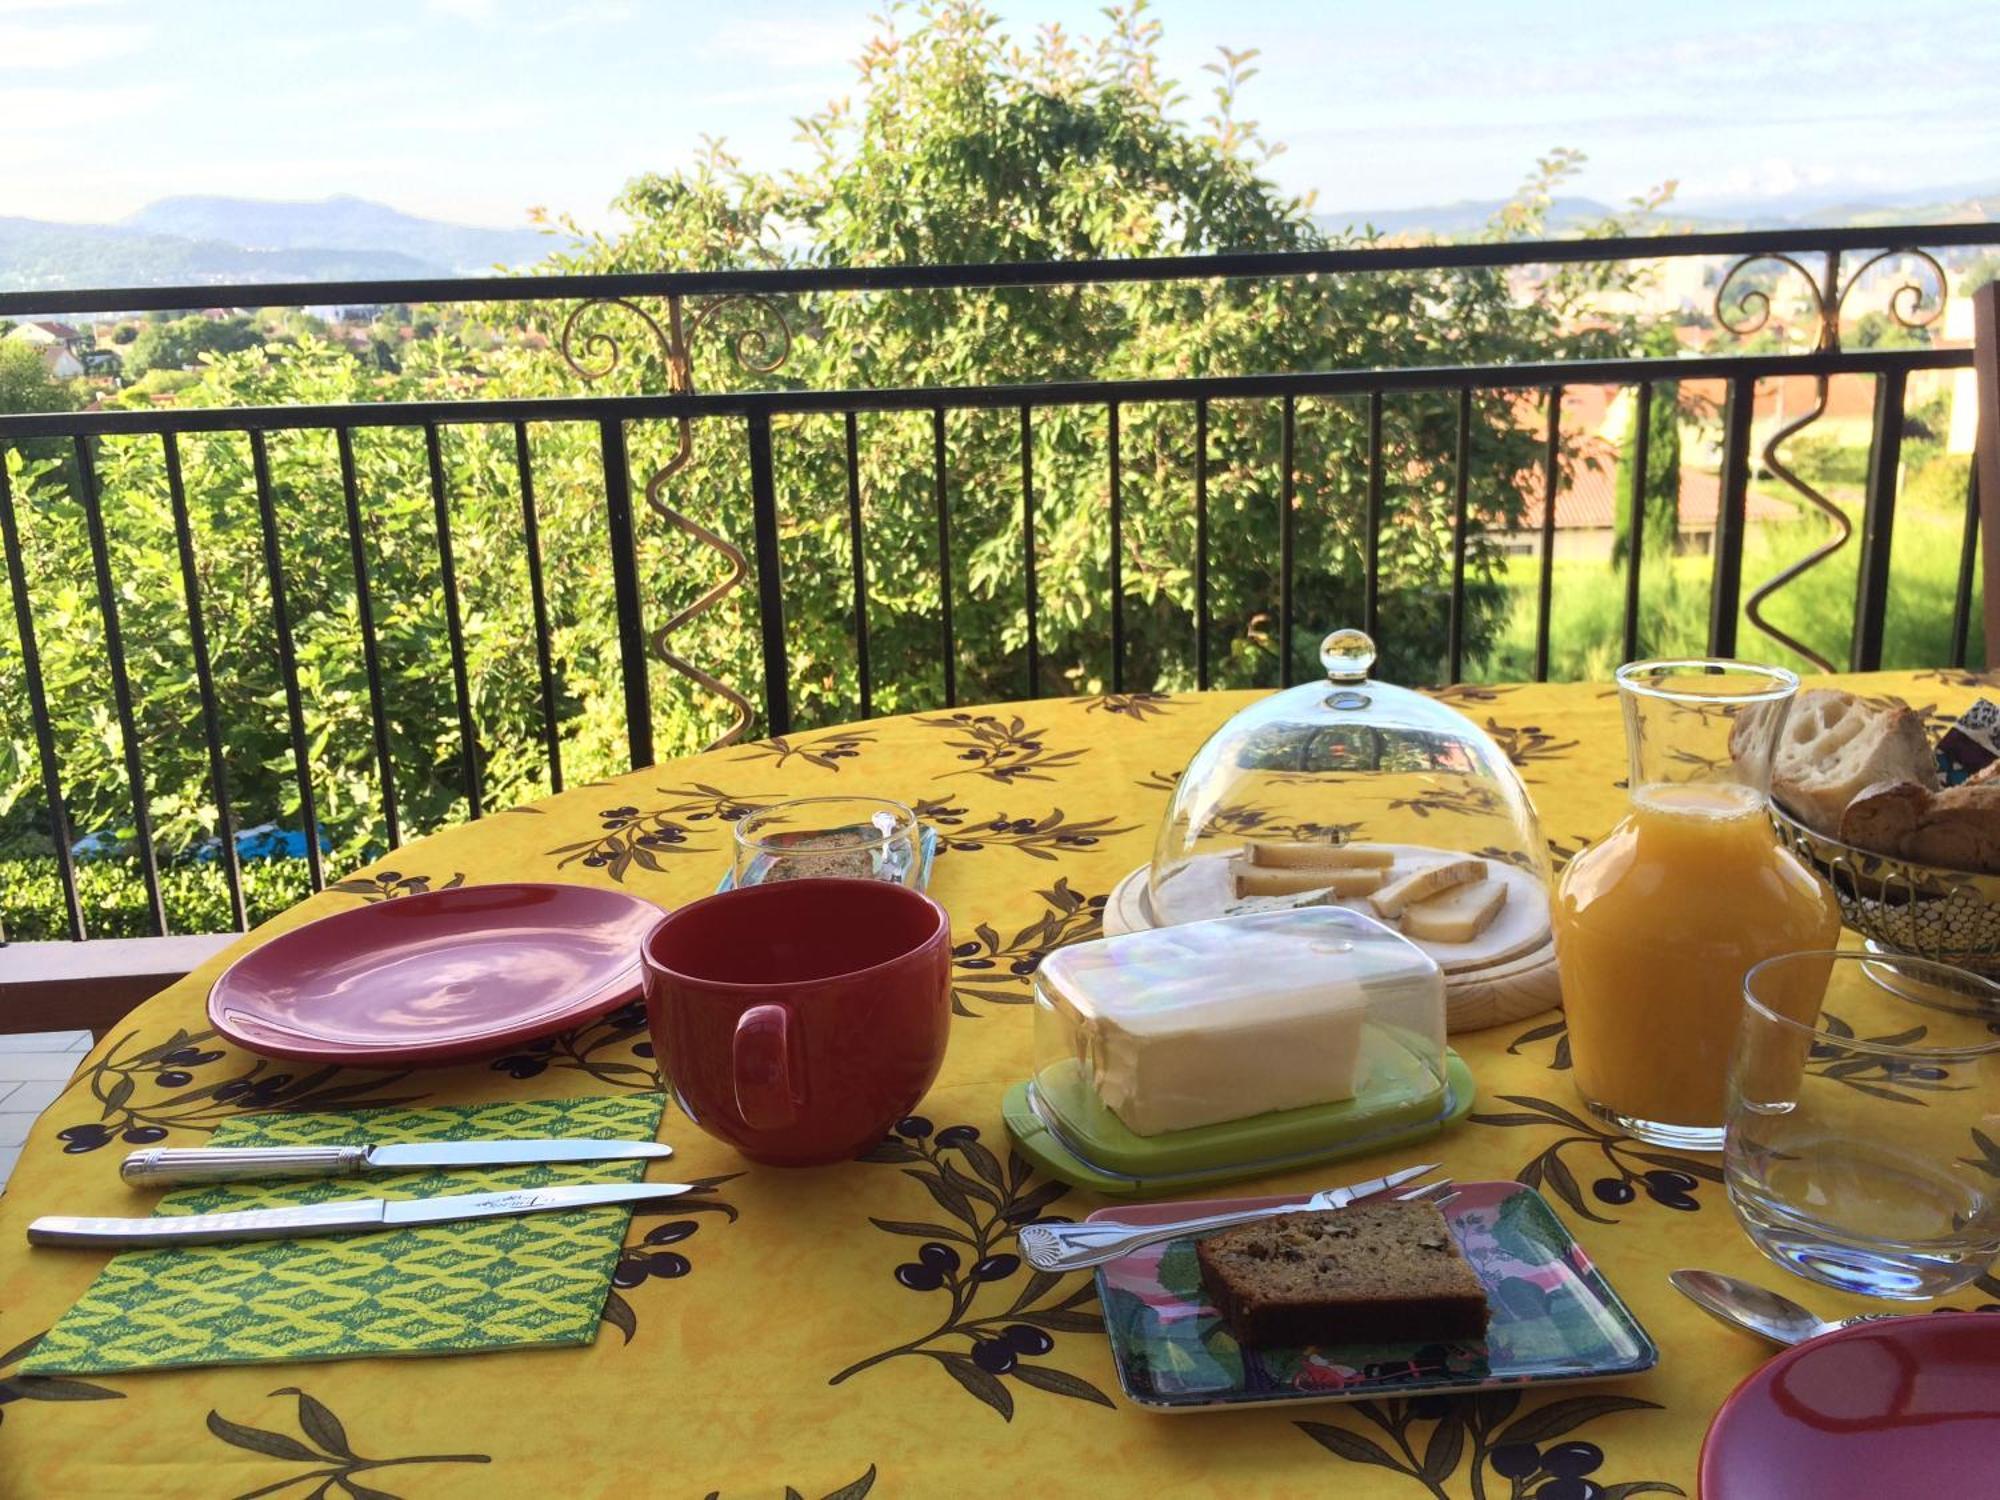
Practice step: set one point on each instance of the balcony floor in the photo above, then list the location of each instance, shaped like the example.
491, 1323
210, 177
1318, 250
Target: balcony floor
35, 1067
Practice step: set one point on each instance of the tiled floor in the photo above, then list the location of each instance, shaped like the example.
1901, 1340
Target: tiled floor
34, 1068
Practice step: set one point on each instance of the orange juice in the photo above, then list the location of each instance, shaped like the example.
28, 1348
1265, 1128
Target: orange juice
1655, 927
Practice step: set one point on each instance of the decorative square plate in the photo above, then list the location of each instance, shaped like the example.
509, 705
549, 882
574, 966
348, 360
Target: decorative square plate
1555, 1318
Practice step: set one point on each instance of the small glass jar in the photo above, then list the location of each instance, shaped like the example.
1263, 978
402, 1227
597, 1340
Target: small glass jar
829, 838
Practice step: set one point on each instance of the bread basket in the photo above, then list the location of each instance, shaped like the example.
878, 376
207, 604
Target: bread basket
1927, 911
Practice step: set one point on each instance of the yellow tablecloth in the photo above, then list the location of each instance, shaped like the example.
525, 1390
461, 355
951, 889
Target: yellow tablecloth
771, 1344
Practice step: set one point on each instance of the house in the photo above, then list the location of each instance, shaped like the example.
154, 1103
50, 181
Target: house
58, 343
1587, 511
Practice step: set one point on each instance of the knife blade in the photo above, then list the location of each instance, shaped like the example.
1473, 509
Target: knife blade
350, 1216
162, 1165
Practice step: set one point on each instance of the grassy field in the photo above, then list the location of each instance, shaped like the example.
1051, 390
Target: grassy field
1586, 618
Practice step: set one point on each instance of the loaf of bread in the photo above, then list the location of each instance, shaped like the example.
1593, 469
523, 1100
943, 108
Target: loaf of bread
1957, 829
1372, 1273
1834, 746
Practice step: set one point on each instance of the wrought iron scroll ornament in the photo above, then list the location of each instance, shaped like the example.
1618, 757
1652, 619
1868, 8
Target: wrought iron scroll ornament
1912, 305
760, 348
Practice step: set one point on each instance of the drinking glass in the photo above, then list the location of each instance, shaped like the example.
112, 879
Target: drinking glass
1863, 1148
816, 838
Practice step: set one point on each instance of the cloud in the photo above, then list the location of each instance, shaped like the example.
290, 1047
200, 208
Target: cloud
489, 116
26, 110
69, 46
479, 12
795, 42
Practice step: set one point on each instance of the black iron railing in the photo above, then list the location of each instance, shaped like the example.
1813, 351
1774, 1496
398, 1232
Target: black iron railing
744, 419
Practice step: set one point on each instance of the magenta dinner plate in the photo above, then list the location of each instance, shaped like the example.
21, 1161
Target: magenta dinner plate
1910, 1407
438, 978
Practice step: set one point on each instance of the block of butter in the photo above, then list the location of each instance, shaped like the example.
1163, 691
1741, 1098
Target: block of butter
1178, 1027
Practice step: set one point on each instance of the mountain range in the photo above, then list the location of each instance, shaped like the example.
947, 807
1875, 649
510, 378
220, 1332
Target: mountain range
219, 241
1976, 202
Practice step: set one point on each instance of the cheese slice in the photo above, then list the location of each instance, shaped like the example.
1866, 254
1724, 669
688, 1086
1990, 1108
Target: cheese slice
1255, 880
1457, 916
1423, 884
1286, 856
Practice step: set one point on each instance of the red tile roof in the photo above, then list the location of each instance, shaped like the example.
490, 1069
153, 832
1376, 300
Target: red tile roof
1590, 504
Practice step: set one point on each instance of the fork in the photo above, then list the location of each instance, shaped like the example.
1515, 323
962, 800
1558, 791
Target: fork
1077, 1247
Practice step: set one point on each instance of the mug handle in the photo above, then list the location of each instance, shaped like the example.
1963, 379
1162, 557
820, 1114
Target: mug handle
760, 1058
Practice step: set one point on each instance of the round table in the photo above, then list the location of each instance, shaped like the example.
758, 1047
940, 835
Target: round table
772, 1345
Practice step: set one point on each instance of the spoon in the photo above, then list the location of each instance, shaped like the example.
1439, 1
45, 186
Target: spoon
1755, 1309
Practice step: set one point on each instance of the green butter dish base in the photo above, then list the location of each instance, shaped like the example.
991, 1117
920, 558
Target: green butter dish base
1098, 1152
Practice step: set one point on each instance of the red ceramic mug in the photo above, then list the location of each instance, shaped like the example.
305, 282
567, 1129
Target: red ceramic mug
799, 1019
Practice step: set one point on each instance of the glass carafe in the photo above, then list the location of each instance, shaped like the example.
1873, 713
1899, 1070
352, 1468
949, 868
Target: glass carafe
1657, 923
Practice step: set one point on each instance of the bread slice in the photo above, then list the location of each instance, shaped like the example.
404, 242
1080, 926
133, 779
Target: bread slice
1883, 815
1957, 829
1372, 1273
1835, 745
1961, 829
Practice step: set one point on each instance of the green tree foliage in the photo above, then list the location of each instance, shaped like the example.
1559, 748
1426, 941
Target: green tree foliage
1663, 467
26, 384
961, 145
179, 344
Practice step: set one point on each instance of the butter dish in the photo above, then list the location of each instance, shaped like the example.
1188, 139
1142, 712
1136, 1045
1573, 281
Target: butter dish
1234, 1047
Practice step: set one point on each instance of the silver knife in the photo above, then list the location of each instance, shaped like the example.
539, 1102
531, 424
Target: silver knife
351, 1216
1076, 1247
163, 1165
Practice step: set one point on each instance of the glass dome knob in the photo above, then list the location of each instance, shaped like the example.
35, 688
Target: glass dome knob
1347, 655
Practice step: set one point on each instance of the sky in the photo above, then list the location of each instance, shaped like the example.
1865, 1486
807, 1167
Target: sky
477, 110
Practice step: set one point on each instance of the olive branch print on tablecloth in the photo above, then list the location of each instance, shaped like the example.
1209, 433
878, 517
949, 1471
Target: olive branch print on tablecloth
1669, 1179
629, 837
1466, 692
636, 836
1002, 750
333, 1461
1526, 744
1248, 820
387, 885
650, 1255
1138, 707
1892, 1078
854, 1489
44, 1387
1469, 801
988, 1204
126, 1087
1882, 1078
1559, 1030
826, 751
595, 1049
1001, 972
1038, 838
1467, 1439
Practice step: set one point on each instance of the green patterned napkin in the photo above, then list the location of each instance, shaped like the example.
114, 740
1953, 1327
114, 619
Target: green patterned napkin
441, 1289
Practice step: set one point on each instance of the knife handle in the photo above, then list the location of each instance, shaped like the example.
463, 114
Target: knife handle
162, 1165
203, 1229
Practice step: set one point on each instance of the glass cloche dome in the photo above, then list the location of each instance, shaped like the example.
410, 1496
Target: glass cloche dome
1359, 793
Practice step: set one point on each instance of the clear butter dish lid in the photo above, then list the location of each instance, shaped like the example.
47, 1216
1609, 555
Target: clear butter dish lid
1233, 1047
